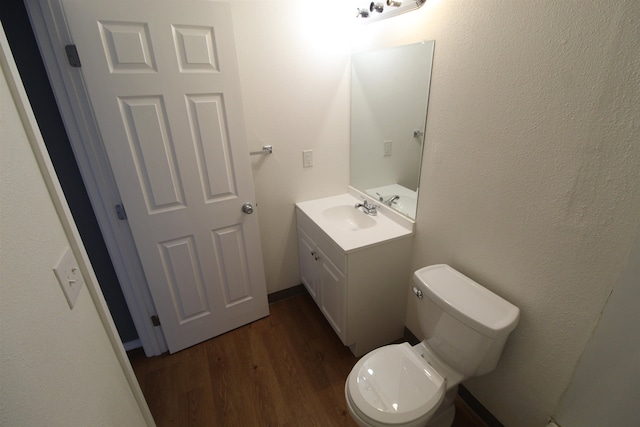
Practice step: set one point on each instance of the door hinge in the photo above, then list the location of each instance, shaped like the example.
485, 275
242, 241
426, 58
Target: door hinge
120, 212
72, 55
155, 320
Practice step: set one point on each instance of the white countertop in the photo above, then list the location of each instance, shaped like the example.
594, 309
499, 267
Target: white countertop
387, 225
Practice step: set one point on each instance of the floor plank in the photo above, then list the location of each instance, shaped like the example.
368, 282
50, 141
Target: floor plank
287, 369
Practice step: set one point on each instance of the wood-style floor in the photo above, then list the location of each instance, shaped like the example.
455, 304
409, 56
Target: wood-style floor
287, 369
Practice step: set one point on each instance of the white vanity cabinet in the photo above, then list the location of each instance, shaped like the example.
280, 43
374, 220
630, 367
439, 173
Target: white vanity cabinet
324, 278
361, 291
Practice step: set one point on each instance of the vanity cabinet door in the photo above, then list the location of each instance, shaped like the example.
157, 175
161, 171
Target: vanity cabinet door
332, 290
308, 265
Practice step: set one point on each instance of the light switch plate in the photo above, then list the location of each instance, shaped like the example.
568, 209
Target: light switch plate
387, 148
307, 158
69, 276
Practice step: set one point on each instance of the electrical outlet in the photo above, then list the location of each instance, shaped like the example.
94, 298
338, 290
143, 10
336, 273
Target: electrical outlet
307, 158
387, 148
69, 276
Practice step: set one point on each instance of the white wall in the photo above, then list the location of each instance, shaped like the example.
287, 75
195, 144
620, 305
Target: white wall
530, 182
294, 71
605, 388
57, 366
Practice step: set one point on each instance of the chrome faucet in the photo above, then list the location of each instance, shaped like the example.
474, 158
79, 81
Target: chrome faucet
368, 208
390, 201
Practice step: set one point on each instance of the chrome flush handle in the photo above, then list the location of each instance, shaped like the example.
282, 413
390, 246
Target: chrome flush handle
418, 292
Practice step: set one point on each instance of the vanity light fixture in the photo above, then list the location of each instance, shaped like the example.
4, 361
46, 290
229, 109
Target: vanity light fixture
378, 10
362, 13
375, 6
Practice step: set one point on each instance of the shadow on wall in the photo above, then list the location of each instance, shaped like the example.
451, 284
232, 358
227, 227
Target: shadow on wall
584, 402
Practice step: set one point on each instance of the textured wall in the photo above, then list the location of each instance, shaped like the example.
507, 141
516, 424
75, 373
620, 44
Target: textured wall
531, 172
57, 367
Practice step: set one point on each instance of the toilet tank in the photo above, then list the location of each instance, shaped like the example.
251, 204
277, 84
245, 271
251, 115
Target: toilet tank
464, 324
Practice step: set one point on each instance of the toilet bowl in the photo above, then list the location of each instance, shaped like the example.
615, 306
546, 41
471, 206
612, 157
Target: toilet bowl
465, 327
393, 385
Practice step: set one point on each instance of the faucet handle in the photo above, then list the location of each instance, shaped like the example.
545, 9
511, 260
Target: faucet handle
368, 208
369, 205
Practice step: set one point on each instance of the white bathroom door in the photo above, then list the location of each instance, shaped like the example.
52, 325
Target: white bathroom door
163, 82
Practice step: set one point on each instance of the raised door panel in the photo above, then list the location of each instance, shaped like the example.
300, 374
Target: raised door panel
210, 134
145, 122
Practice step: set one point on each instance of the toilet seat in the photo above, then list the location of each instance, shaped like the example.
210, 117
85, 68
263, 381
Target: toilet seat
393, 385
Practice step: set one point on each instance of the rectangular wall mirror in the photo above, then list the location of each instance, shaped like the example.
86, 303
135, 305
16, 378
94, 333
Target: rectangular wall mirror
389, 99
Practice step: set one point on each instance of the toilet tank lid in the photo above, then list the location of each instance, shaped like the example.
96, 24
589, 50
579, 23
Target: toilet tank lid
467, 301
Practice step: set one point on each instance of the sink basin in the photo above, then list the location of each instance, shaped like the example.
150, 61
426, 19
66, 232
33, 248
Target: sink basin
348, 218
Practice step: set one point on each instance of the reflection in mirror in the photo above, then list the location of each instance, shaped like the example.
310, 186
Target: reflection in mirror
389, 98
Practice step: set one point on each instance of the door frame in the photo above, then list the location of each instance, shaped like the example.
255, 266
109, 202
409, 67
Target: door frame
52, 34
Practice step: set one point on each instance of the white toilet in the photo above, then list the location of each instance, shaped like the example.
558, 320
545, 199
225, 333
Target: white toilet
465, 328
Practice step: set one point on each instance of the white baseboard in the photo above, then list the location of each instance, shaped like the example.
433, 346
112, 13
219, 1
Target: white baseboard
130, 345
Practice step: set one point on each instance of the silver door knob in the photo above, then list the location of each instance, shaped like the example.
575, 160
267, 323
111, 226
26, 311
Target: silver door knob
247, 208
